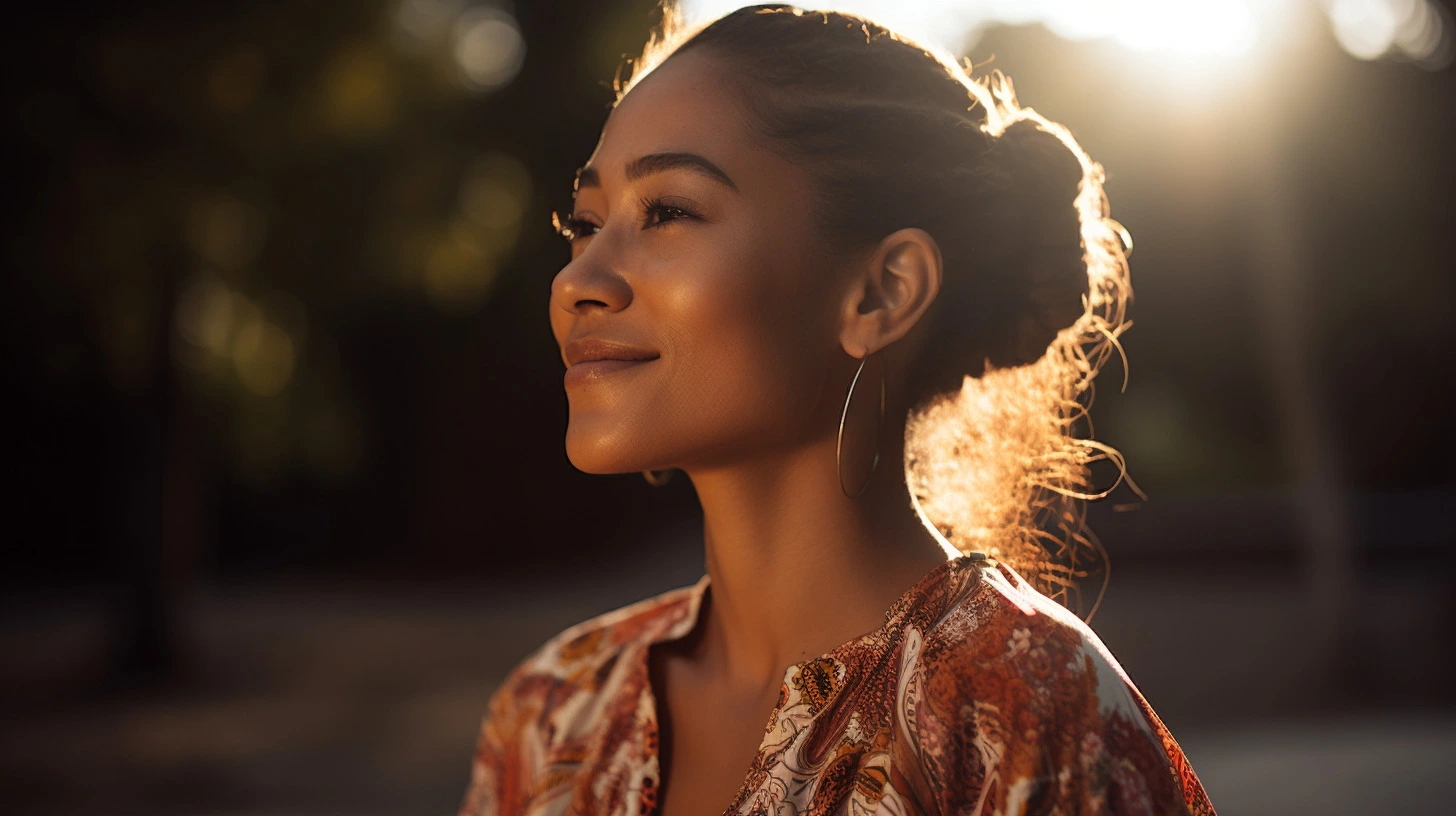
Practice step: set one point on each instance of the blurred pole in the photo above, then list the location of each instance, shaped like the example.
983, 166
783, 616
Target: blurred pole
1283, 286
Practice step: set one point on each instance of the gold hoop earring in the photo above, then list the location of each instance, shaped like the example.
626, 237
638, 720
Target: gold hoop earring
839, 443
658, 478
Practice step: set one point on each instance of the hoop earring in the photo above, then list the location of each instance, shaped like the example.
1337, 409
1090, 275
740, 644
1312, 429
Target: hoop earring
839, 443
658, 478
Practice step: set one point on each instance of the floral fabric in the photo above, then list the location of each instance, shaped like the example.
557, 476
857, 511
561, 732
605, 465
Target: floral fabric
977, 696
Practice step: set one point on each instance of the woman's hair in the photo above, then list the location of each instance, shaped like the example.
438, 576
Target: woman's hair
897, 134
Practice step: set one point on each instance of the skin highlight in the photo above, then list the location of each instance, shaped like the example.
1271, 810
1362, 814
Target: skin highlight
759, 328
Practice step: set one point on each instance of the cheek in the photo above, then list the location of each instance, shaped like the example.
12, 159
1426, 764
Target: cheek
749, 341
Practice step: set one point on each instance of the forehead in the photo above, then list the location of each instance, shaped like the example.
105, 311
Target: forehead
684, 105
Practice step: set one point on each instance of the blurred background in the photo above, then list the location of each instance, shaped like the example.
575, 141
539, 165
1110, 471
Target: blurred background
290, 491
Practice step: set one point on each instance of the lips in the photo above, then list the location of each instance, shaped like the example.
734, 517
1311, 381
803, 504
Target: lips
592, 358
599, 369
590, 349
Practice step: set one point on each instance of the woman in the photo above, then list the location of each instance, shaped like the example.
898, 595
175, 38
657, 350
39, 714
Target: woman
777, 199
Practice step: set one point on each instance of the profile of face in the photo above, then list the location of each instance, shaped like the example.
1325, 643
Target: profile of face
695, 249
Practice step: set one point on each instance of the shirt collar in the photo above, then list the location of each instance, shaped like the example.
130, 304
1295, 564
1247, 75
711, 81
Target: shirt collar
925, 598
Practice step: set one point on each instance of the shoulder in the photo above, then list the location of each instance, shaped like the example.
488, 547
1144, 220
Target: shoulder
600, 638
543, 708
998, 642
1021, 697
580, 658
1006, 662
1001, 642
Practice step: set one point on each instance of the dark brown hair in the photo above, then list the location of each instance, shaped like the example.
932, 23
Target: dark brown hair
892, 140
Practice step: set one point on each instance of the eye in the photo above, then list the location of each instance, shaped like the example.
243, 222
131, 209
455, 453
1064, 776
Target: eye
665, 213
655, 213
571, 228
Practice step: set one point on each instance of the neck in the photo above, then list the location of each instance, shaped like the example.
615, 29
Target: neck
797, 568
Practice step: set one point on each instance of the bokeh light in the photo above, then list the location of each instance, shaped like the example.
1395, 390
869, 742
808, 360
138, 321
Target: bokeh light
488, 48
421, 23
263, 355
458, 264
205, 314
1416, 30
224, 331
357, 93
494, 193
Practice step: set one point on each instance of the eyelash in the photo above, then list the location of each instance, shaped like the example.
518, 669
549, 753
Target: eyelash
573, 228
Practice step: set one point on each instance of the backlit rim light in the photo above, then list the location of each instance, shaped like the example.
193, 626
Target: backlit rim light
1417, 31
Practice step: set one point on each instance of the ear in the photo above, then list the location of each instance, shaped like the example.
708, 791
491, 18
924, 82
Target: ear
890, 294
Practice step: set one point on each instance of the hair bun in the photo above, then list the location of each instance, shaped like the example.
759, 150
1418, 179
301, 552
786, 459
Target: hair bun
1034, 269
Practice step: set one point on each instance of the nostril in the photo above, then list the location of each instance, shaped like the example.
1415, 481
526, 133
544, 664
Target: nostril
581, 288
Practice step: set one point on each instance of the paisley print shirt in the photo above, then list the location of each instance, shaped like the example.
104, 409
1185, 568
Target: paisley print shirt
977, 696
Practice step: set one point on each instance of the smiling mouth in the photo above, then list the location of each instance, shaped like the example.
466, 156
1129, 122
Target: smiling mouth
589, 371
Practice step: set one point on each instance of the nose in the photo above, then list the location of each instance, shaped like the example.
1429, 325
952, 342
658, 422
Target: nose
587, 284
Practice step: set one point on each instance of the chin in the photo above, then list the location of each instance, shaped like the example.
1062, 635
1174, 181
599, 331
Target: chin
600, 454
596, 467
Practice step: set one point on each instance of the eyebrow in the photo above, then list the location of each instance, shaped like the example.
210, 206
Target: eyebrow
653, 163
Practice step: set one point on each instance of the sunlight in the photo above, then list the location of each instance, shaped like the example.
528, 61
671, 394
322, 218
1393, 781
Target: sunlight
1412, 30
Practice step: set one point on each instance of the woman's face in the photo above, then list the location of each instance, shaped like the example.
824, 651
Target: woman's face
694, 249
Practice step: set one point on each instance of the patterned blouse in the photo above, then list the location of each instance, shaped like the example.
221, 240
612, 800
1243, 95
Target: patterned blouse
977, 696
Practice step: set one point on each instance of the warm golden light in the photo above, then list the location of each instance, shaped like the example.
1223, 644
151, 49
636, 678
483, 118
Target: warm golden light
357, 94
997, 467
263, 356
1415, 30
1176, 26
205, 315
